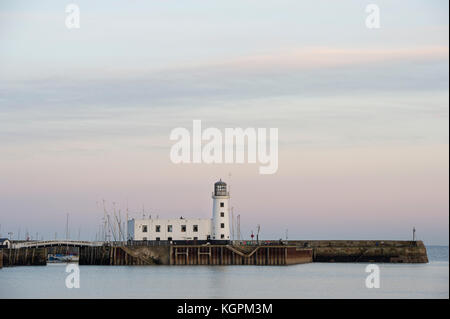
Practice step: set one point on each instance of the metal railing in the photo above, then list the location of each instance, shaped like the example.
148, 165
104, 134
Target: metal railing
50, 243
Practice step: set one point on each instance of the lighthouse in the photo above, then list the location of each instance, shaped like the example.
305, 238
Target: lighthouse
215, 228
220, 221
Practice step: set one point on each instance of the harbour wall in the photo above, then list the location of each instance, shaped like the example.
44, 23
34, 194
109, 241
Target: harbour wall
23, 257
194, 255
239, 255
266, 253
243, 253
124, 255
382, 251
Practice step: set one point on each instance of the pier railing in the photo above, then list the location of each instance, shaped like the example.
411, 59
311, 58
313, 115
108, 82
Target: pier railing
52, 243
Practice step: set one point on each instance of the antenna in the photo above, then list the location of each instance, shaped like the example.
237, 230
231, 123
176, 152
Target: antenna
232, 223
67, 227
118, 224
239, 226
114, 226
105, 222
110, 228
258, 228
67, 233
127, 220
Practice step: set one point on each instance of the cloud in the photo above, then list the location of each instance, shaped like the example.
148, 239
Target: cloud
301, 72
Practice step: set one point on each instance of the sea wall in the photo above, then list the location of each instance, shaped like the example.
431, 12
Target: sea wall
267, 253
124, 255
238, 255
23, 257
388, 251
296, 255
195, 255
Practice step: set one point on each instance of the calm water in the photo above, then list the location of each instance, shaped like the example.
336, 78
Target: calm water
317, 280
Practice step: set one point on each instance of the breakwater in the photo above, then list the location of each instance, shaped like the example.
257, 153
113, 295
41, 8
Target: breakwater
195, 255
23, 257
124, 255
266, 253
237, 253
382, 251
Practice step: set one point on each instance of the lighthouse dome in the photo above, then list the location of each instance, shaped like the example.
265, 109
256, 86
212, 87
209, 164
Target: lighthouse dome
220, 183
220, 188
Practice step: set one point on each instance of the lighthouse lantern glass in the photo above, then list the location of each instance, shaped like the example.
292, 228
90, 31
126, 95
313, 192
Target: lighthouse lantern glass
220, 189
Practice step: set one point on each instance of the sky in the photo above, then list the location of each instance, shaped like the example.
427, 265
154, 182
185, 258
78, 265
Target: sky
362, 114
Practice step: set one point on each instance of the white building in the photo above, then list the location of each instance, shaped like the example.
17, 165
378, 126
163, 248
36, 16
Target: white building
215, 228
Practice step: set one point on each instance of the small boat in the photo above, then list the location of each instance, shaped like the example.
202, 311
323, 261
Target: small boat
60, 258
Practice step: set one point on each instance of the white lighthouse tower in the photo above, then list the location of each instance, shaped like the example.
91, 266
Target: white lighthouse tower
220, 220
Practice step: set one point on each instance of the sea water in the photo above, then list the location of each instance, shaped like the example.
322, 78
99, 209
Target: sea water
315, 280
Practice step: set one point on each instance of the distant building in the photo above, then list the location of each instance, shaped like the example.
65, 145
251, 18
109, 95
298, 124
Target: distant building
215, 228
5, 243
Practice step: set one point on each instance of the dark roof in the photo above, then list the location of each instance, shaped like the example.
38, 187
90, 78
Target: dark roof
3, 239
220, 183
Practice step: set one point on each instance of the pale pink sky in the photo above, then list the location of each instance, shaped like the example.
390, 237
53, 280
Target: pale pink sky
85, 115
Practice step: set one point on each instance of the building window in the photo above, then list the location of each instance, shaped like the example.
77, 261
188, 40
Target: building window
222, 225
222, 236
169, 238
169, 228
157, 238
222, 214
144, 228
158, 228
222, 204
195, 228
183, 228
195, 238
144, 238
